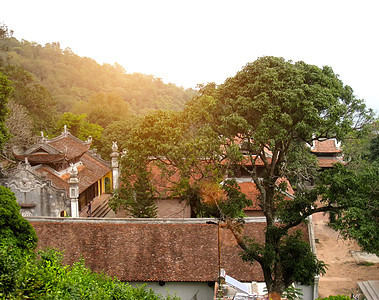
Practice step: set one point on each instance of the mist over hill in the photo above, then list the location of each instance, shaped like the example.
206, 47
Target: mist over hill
72, 80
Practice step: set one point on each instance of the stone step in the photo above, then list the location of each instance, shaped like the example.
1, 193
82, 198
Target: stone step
370, 289
101, 210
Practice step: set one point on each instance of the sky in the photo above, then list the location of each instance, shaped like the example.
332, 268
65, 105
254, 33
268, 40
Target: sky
195, 42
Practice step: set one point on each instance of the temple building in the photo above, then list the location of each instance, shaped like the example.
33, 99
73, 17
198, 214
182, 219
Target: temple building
328, 152
55, 175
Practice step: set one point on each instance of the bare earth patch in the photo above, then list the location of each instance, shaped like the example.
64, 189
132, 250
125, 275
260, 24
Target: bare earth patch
343, 271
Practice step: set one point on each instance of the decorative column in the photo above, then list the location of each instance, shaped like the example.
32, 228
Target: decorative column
114, 165
74, 191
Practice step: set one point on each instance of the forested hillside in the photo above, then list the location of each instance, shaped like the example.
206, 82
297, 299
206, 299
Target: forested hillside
52, 87
72, 79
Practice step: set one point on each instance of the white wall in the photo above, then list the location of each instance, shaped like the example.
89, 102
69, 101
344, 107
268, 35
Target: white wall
188, 290
184, 290
307, 291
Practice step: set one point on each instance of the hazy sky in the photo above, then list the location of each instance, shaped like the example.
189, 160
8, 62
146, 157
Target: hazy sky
191, 42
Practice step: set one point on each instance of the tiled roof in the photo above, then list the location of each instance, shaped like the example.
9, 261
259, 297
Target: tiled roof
327, 162
70, 145
65, 146
53, 176
91, 170
38, 158
326, 146
160, 251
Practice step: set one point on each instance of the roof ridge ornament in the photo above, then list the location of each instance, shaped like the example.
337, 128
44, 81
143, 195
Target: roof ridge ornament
73, 170
43, 138
114, 146
65, 131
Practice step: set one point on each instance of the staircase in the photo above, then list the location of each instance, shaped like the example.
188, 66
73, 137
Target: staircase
370, 289
100, 207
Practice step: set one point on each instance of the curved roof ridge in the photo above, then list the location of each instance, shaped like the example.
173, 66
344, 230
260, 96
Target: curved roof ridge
68, 134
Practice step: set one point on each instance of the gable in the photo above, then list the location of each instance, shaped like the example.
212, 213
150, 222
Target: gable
41, 148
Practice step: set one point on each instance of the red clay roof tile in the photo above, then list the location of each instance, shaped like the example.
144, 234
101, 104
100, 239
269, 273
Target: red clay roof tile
161, 251
326, 146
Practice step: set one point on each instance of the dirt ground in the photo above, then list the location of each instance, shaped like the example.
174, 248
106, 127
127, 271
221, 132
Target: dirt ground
343, 272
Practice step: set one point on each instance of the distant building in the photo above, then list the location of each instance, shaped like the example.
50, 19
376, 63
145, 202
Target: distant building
328, 152
170, 206
40, 180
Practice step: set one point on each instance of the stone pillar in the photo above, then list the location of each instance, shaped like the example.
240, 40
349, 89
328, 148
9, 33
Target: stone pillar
74, 191
115, 166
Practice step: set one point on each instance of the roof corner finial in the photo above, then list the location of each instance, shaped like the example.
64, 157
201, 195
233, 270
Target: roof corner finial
65, 131
43, 139
73, 170
114, 146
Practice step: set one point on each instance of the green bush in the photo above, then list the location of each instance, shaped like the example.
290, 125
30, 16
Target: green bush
12, 224
338, 297
47, 278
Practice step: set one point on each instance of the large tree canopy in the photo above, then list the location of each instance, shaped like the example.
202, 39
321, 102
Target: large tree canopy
267, 112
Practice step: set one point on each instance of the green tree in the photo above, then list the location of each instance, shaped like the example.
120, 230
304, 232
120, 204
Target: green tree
158, 145
270, 106
105, 108
5, 91
264, 113
17, 241
120, 132
80, 127
137, 194
12, 224
31, 95
355, 192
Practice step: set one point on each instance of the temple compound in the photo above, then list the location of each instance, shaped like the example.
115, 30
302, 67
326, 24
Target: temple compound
57, 177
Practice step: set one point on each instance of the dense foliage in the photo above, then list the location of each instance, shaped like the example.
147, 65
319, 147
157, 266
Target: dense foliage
46, 277
12, 224
73, 80
357, 192
262, 112
263, 116
155, 150
17, 240
5, 91
137, 193
32, 95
